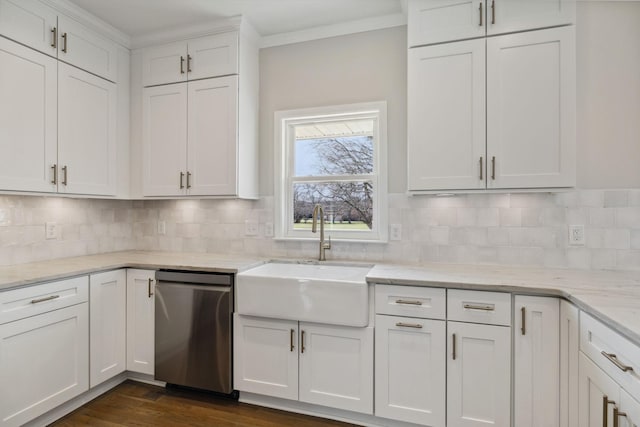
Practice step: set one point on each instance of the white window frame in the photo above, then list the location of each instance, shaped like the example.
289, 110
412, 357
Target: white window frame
284, 162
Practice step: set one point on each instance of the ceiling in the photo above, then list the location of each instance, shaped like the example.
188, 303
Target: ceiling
269, 17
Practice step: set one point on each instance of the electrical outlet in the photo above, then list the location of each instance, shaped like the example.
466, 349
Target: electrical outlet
395, 232
51, 230
162, 227
250, 228
268, 229
576, 235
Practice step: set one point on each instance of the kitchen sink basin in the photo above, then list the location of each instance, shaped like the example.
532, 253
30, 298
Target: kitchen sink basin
312, 292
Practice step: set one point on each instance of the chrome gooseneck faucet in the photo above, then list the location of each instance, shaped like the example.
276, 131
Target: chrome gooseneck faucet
319, 212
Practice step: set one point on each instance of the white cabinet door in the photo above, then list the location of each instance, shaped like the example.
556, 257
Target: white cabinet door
336, 367
410, 371
265, 356
435, 21
213, 56
107, 325
86, 133
212, 155
164, 64
631, 410
569, 360
506, 16
165, 140
44, 362
478, 375
29, 22
28, 118
84, 48
536, 361
446, 116
140, 321
598, 394
531, 109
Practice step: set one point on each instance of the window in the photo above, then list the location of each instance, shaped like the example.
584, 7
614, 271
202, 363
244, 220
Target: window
335, 157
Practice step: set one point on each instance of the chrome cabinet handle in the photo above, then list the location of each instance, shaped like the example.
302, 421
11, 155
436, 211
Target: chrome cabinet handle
189, 58
55, 174
181, 64
493, 12
64, 174
181, 178
64, 42
149, 288
188, 180
523, 312
39, 300
493, 168
483, 307
453, 346
614, 359
481, 165
409, 325
408, 302
54, 34
481, 20
292, 337
302, 341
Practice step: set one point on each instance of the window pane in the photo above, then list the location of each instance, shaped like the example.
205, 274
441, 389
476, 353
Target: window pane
334, 156
347, 205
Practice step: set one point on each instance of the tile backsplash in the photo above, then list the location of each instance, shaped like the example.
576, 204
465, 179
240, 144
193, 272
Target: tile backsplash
503, 229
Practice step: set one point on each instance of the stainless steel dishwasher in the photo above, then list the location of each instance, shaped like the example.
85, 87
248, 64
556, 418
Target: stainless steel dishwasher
193, 330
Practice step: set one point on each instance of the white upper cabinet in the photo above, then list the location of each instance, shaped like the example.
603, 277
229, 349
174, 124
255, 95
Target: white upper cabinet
212, 148
86, 133
165, 140
434, 21
34, 24
524, 95
531, 109
30, 22
437, 21
446, 116
86, 49
200, 58
28, 120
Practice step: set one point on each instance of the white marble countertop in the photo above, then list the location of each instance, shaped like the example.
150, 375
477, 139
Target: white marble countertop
26, 274
611, 296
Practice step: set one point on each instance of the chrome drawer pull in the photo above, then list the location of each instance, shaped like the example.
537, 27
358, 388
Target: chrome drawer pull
36, 301
614, 359
408, 302
409, 325
484, 307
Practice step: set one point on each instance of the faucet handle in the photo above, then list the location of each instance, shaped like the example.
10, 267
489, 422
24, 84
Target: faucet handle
327, 245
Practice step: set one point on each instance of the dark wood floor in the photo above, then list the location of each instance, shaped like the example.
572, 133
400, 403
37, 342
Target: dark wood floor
138, 404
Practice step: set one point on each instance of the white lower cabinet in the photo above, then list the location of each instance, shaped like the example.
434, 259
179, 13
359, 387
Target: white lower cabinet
44, 358
598, 395
629, 412
536, 362
478, 375
319, 364
107, 325
411, 369
141, 321
569, 362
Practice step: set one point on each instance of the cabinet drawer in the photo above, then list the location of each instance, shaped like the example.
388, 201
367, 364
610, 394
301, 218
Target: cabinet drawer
411, 301
596, 339
493, 308
29, 301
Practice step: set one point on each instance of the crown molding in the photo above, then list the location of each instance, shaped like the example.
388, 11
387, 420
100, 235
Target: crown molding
73, 11
334, 30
